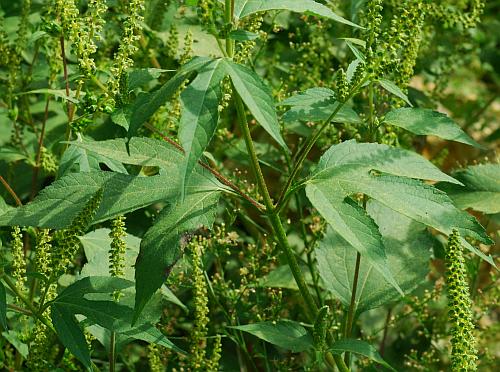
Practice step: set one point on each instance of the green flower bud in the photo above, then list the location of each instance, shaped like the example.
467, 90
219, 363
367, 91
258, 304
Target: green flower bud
463, 343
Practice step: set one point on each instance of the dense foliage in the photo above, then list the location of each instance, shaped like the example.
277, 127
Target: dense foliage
246, 185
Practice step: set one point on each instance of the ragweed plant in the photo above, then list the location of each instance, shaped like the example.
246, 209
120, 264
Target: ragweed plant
286, 171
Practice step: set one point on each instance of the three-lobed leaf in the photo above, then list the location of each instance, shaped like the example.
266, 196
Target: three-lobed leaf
387, 175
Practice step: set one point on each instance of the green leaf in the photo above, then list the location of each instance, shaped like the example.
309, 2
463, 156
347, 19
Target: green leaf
96, 246
168, 295
407, 246
161, 246
394, 89
282, 277
71, 335
58, 204
363, 158
352, 223
77, 159
243, 8
13, 338
92, 298
242, 35
151, 334
317, 104
141, 76
3, 306
133, 116
257, 97
284, 333
359, 347
138, 151
60, 93
357, 53
481, 191
11, 154
200, 114
4, 207
351, 168
428, 122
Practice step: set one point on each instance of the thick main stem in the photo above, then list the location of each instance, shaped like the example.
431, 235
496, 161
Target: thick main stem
273, 216
228, 15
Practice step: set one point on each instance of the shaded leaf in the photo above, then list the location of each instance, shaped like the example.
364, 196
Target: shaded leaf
352, 223
3, 306
77, 159
428, 122
96, 246
286, 334
138, 151
134, 115
13, 338
141, 76
407, 246
481, 190
70, 334
242, 35
359, 347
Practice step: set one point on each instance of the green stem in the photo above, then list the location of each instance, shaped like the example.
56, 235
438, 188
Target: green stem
273, 216
352, 305
28, 304
308, 145
228, 16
